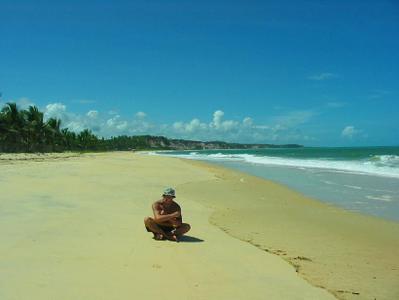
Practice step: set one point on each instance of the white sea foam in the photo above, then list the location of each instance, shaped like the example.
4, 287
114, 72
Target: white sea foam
386, 198
378, 165
353, 187
328, 182
385, 160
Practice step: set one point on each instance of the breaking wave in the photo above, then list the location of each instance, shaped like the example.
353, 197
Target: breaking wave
377, 165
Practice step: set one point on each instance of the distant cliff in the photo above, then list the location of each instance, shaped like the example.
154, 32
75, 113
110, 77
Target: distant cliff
160, 142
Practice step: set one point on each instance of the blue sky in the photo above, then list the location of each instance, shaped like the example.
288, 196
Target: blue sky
311, 72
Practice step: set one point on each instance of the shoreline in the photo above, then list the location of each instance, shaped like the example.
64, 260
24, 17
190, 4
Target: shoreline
373, 242
286, 186
84, 236
317, 198
371, 194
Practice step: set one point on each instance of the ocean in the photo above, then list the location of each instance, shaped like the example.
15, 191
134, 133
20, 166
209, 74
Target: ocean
359, 179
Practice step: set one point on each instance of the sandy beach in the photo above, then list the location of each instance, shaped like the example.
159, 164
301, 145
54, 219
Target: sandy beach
72, 228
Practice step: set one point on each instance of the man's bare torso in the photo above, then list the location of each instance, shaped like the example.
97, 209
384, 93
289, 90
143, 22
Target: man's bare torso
165, 209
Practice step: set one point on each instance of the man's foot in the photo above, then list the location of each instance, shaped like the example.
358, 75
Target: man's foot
172, 237
158, 236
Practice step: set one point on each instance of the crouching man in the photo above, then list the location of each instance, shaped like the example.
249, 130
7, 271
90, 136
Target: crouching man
167, 222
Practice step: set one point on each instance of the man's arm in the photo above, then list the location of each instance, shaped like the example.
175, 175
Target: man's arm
176, 222
163, 218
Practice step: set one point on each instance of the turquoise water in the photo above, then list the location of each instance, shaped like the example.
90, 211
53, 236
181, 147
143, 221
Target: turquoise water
364, 180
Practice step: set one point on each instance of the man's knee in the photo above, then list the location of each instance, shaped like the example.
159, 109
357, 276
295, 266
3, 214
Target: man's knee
148, 221
186, 227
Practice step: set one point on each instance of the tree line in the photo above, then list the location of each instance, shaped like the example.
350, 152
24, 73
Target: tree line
28, 131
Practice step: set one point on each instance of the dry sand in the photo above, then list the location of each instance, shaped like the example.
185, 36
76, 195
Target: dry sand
72, 228
17, 157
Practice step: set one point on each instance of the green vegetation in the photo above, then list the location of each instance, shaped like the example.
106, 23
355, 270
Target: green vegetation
27, 131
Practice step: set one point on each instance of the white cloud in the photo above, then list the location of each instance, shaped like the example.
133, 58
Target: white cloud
218, 123
122, 125
178, 126
217, 119
280, 129
140, 115
247, 122
114, 121
336, 104
322, 76
195, 125
22, 103
264, 127
283, 128
76, 126
229, 125
194, 128
93, 114
56, 110
349, 132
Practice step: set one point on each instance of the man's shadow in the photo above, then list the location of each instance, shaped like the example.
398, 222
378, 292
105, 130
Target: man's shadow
189, 239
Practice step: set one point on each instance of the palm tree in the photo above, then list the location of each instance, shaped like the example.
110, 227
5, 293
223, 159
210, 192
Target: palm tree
69, 139
3, 131
87, 140
35, 128
53, 130
12, 126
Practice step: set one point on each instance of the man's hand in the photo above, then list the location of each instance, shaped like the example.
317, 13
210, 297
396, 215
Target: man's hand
176, 214
161, 217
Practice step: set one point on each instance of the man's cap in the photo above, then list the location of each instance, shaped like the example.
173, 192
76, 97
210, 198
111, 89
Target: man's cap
169, 192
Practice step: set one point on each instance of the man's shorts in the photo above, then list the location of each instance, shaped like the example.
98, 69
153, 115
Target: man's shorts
166, 229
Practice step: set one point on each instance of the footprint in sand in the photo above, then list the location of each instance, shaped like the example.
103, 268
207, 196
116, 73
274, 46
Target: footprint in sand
156, 266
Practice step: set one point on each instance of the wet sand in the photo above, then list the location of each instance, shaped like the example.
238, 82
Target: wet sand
351, 255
